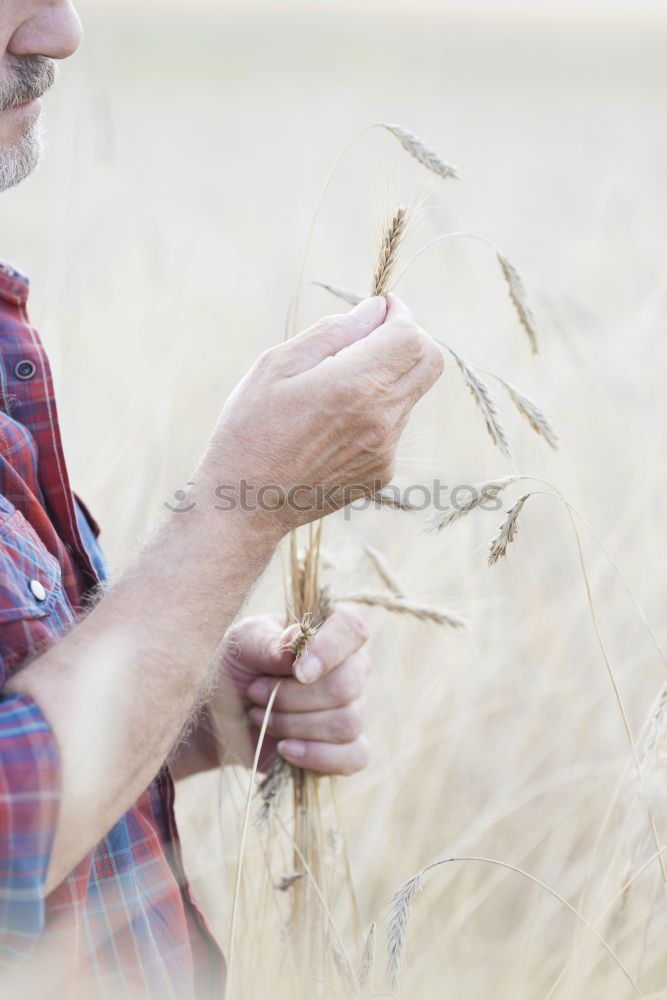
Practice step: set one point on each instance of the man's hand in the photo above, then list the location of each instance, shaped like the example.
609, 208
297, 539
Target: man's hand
317, 420
317, 719
320, 415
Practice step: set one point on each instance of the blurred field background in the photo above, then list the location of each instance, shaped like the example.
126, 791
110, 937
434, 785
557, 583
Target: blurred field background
188, 144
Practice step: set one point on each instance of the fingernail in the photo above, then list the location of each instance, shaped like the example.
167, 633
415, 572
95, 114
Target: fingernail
371, 310
259, 692
293, 750
309, 669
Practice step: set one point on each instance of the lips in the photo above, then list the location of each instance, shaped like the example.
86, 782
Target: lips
31, 77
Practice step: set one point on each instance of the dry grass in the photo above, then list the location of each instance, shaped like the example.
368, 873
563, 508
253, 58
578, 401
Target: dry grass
161, 266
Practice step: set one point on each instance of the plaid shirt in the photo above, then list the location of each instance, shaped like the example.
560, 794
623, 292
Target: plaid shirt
123, 923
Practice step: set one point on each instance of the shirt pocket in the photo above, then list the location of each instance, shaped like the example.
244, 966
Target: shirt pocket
34, 609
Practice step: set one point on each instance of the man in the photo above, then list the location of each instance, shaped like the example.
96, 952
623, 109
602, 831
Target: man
97, 686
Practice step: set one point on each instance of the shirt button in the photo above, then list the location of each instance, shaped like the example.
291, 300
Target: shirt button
37, 590
25, 370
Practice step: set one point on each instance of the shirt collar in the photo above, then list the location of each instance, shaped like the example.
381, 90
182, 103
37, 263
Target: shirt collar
13, 285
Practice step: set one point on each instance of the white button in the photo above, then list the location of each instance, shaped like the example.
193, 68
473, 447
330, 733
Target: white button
38, 591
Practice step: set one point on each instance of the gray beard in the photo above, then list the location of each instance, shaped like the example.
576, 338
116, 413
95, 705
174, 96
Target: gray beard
18, 160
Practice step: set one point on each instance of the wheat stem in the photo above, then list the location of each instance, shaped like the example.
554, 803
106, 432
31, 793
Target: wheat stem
396, 945
231, 965
506, 536
603, 913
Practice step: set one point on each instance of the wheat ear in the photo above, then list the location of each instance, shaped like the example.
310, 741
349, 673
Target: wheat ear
485, 402
507, 532
530, 411
397, 926
366, 970
391, 244
511, 275
392, 501
417, 148
489, 490
272, 787
346, 294
402, 606
498, 548
384, 570
400, 907
520, 299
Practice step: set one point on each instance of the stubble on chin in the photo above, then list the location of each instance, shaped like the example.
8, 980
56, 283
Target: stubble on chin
20, 157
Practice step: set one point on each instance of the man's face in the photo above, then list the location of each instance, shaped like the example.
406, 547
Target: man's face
33, 33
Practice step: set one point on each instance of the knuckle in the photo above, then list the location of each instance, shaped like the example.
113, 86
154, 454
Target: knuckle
352, 620
346, 685
380, 432
437, 360
358, 758
412, 339
267, 360
348, 724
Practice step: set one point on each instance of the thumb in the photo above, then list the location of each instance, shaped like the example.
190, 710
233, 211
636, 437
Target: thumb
396, 309
333, 334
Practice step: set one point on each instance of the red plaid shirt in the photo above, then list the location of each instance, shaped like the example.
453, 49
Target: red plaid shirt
123, 923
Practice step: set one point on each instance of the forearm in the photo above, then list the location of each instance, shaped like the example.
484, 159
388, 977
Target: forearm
203, 749
119, 689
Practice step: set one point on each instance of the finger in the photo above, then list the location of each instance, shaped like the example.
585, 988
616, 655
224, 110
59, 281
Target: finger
327, 758
342, 634
388, 352
422, 377
331, 335
340, 687
338, 725
263, 644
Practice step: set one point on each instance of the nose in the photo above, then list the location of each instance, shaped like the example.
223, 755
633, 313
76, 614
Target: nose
49, 28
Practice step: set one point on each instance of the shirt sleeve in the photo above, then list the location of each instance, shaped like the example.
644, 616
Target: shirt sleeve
29, 800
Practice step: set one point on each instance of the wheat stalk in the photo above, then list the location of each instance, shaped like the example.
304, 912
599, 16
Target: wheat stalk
389, 249
656, 728
415, 146
231, 952
489, 490
366, 970
402, 606
520, 299
531, 412
346, 294
424, 154
485, 402
498, 548
392, 501
507, 532
272, 787
384, 570
401, 904
397, 925
287, 881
